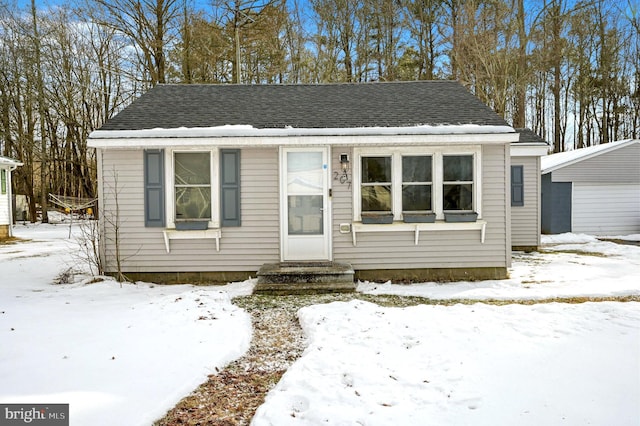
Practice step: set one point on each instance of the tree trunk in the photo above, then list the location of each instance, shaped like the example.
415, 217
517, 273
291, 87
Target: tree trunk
41, 111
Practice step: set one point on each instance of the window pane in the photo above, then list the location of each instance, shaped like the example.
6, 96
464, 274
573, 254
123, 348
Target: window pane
458, 168
376, 169
193, 203
376, 198
416, 169
192, 168
304, 172
416, 198
305, 215
458, 197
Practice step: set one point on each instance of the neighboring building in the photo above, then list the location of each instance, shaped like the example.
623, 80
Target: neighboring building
525, 190
298, 173
593, 190
7, 165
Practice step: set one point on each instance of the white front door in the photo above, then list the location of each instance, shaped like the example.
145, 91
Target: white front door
304, 204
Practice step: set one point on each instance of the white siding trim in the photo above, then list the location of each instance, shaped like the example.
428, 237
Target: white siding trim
334, 140
529, 150
480, 225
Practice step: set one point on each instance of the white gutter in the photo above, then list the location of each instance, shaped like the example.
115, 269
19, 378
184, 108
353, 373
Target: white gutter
296, 140
246, 135
529, 149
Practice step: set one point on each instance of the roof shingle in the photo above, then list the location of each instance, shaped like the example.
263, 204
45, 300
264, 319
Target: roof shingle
348, 105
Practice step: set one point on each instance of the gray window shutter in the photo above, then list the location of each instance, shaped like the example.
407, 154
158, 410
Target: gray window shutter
154, 194
517, 186
230, 187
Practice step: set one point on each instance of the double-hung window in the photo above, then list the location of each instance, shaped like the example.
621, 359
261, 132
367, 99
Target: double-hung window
376, 188
192, 185
417, 184
457, 182
417, 180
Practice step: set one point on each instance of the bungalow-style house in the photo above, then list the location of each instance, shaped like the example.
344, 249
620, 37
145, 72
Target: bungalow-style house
594, 190
404, 180
7, 165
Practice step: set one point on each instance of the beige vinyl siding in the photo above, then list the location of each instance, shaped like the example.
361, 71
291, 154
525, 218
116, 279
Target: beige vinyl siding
243, 248
617, 166
441, 249
256, 242
525, 220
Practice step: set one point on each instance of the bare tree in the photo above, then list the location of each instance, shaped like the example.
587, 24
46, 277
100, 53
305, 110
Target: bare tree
44, 187
422, 18
150, 25
336, 38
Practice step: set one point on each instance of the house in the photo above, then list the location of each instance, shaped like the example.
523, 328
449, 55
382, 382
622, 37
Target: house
400, 180
7, 165
594, 190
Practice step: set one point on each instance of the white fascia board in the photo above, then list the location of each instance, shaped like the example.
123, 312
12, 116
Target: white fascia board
290, 140
248, 130
10, 163
529, 149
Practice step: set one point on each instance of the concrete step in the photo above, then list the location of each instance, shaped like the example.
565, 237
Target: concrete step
304, 278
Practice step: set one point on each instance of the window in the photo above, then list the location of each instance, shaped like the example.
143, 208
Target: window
457, 182
376, 184
517, 186
416, 183
190, 187
192, 173
3, 181
405, 180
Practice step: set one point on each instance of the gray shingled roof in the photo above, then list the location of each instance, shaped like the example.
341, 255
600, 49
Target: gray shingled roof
528, 136
393, 104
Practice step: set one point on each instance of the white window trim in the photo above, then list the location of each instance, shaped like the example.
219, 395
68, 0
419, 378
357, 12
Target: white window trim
170, 187
437, 175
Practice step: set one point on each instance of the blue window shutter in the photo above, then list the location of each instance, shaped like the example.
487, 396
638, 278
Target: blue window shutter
154, 210
517, 186
230, 187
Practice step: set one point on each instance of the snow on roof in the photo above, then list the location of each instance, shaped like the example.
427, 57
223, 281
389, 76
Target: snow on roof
561, 159
248, 130
6, 161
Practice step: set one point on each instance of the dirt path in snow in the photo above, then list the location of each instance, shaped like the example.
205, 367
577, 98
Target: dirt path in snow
232, 396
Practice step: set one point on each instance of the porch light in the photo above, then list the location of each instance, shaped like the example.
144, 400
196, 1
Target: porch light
344, 162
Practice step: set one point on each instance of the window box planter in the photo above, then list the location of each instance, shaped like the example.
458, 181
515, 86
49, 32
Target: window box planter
377, 218
419, 217
191, 225
461, 217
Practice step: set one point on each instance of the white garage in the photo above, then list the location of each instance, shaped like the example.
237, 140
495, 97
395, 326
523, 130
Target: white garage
606, 209
593, 190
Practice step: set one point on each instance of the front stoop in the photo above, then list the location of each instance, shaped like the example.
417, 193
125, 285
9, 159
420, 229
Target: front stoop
304, 278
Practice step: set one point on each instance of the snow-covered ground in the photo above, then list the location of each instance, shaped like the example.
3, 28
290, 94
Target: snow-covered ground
119, 355
125, 354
